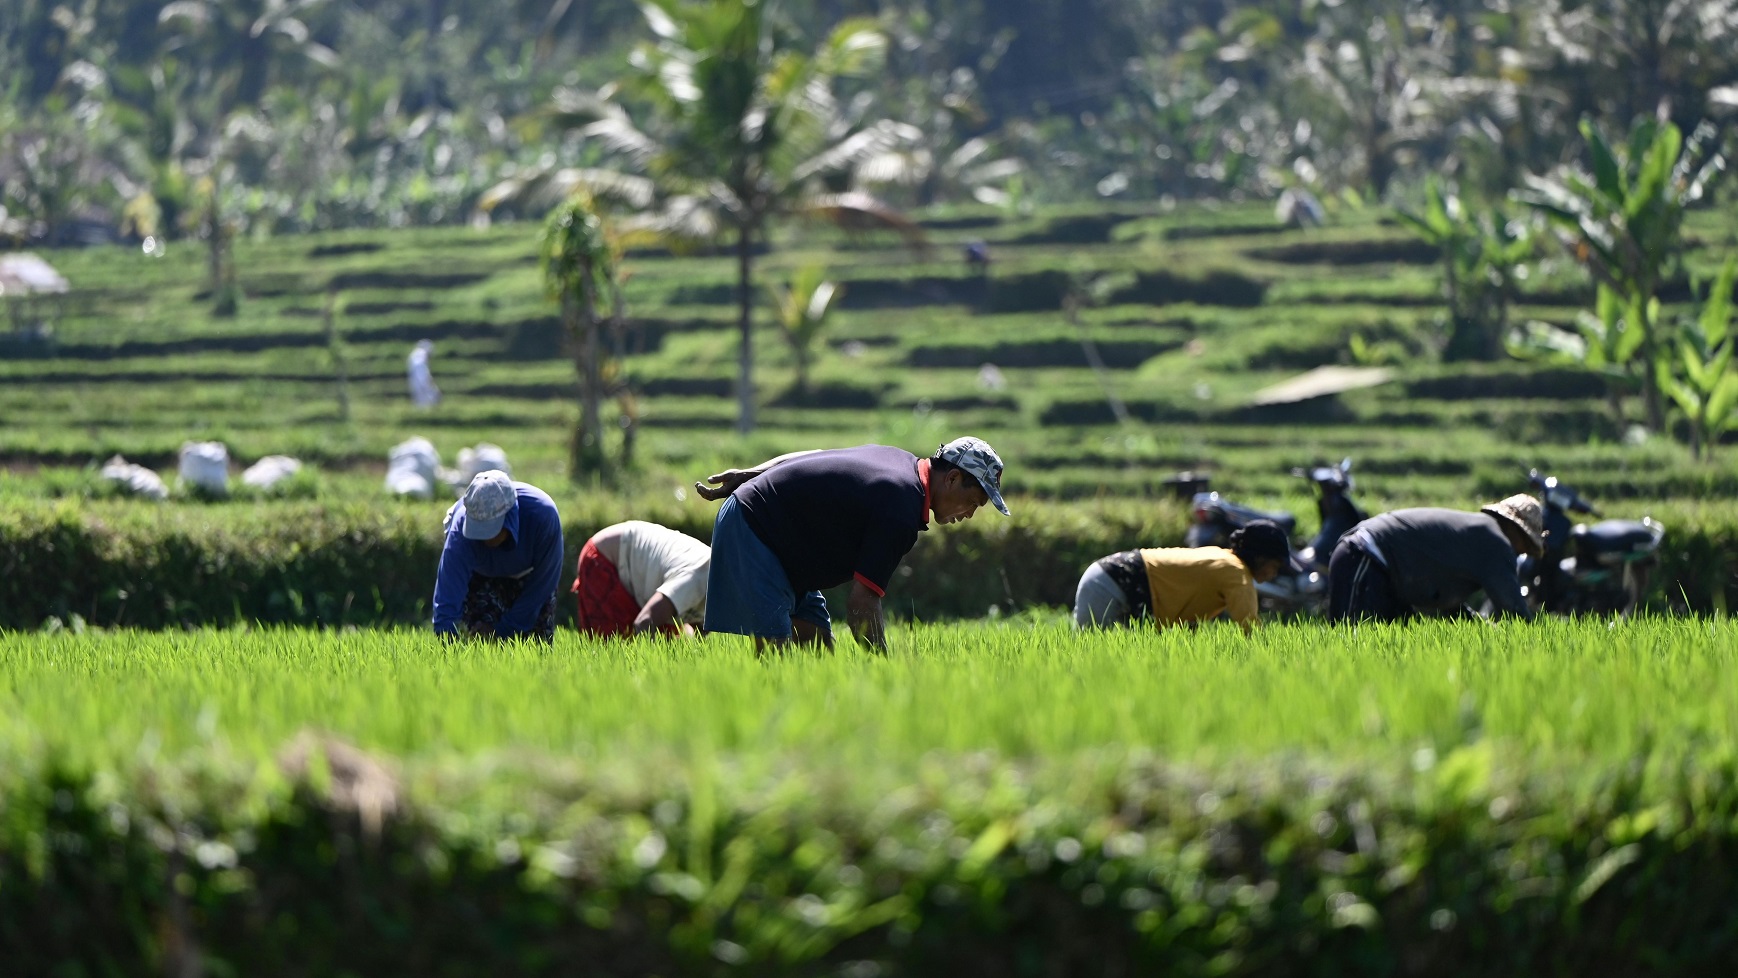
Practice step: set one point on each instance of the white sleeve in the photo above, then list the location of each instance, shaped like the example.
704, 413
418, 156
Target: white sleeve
686, 588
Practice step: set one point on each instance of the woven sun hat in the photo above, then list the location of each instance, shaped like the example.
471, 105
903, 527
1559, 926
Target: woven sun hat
1521, 513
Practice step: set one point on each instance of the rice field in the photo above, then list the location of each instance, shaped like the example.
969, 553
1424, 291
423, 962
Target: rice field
1031, 690
1441, 799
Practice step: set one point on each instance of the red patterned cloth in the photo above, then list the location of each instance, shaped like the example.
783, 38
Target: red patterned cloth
605, 606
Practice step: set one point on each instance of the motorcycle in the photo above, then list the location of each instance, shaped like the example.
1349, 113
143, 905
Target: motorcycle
1335, 508
1213, 518
1588, 568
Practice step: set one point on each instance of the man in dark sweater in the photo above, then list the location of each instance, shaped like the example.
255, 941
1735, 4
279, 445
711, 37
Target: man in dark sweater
1430, 561
806, 521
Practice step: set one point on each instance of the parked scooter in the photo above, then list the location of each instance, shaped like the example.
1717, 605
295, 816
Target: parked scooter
1335, 508
1588, 568
1214, 517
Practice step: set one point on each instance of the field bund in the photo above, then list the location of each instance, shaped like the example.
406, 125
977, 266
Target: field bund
994, 798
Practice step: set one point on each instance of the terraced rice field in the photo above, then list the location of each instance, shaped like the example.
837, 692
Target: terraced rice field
1203, 308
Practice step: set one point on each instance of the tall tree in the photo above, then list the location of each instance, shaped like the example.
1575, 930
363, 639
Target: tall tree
1619, 59
745, 127
237, 48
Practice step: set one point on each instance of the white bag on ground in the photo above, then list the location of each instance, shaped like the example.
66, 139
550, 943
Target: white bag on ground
269, 471
134, 480
412, 468
205, 466
485, 457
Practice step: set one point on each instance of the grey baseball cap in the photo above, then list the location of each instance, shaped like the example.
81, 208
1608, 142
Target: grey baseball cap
974, 455
488, 500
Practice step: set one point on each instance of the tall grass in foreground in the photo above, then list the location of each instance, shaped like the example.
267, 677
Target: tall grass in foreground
1547, 694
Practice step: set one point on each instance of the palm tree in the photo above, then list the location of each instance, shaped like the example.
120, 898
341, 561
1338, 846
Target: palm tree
746, 128
1382, 74
234, 51
242, 46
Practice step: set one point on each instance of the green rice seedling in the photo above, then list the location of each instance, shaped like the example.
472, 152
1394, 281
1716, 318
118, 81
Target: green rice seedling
1548, 695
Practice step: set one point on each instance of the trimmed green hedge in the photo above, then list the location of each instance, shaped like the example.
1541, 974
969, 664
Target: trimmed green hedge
121, 563
1147, 871
305, 562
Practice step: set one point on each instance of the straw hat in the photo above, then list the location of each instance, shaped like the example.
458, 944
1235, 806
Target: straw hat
1521, 513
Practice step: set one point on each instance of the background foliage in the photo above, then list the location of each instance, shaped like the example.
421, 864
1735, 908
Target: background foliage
324, 114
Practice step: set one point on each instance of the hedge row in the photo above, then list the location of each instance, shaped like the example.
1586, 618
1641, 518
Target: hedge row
1152, 871
311, 563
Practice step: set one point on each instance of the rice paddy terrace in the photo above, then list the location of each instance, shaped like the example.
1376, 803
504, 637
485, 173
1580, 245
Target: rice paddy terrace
1195, 310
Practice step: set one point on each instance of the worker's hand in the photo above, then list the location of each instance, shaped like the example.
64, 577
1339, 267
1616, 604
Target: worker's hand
724, 483
863, 612
657, 615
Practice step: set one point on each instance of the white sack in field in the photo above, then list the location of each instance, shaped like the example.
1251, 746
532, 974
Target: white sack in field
205, 466
485, 457
270, 471
412, 468
134, 480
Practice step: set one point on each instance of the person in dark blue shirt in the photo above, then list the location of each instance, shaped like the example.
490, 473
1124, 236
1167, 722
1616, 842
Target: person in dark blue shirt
807, 521
1430, 561
502, 561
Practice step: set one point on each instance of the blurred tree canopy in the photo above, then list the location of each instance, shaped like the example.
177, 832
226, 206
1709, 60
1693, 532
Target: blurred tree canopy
323, 113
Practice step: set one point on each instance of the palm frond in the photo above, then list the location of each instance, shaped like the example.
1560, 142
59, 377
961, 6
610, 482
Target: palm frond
196, 12
683, 220
858, 148
548, 186
905, 167
619, 135
856, 210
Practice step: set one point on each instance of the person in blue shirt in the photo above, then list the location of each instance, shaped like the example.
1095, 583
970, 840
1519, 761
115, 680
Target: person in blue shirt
501, 563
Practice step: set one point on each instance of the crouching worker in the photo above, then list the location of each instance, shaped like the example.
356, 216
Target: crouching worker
501, 562
1429, 561
1172, 585
638, 577
800, 523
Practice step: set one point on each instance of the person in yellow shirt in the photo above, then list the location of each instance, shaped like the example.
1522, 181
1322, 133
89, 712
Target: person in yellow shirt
1171, 585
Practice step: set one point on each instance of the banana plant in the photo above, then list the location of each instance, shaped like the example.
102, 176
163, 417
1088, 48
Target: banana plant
802, 309
1481, 253
1701, 381
1624, 221
1604, 341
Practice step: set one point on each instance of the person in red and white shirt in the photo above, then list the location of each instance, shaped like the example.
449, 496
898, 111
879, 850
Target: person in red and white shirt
638, 577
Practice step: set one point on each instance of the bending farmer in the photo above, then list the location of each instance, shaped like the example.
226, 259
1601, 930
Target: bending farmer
1430, 561
812, 520
1171, 585
638, 577
501, 562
